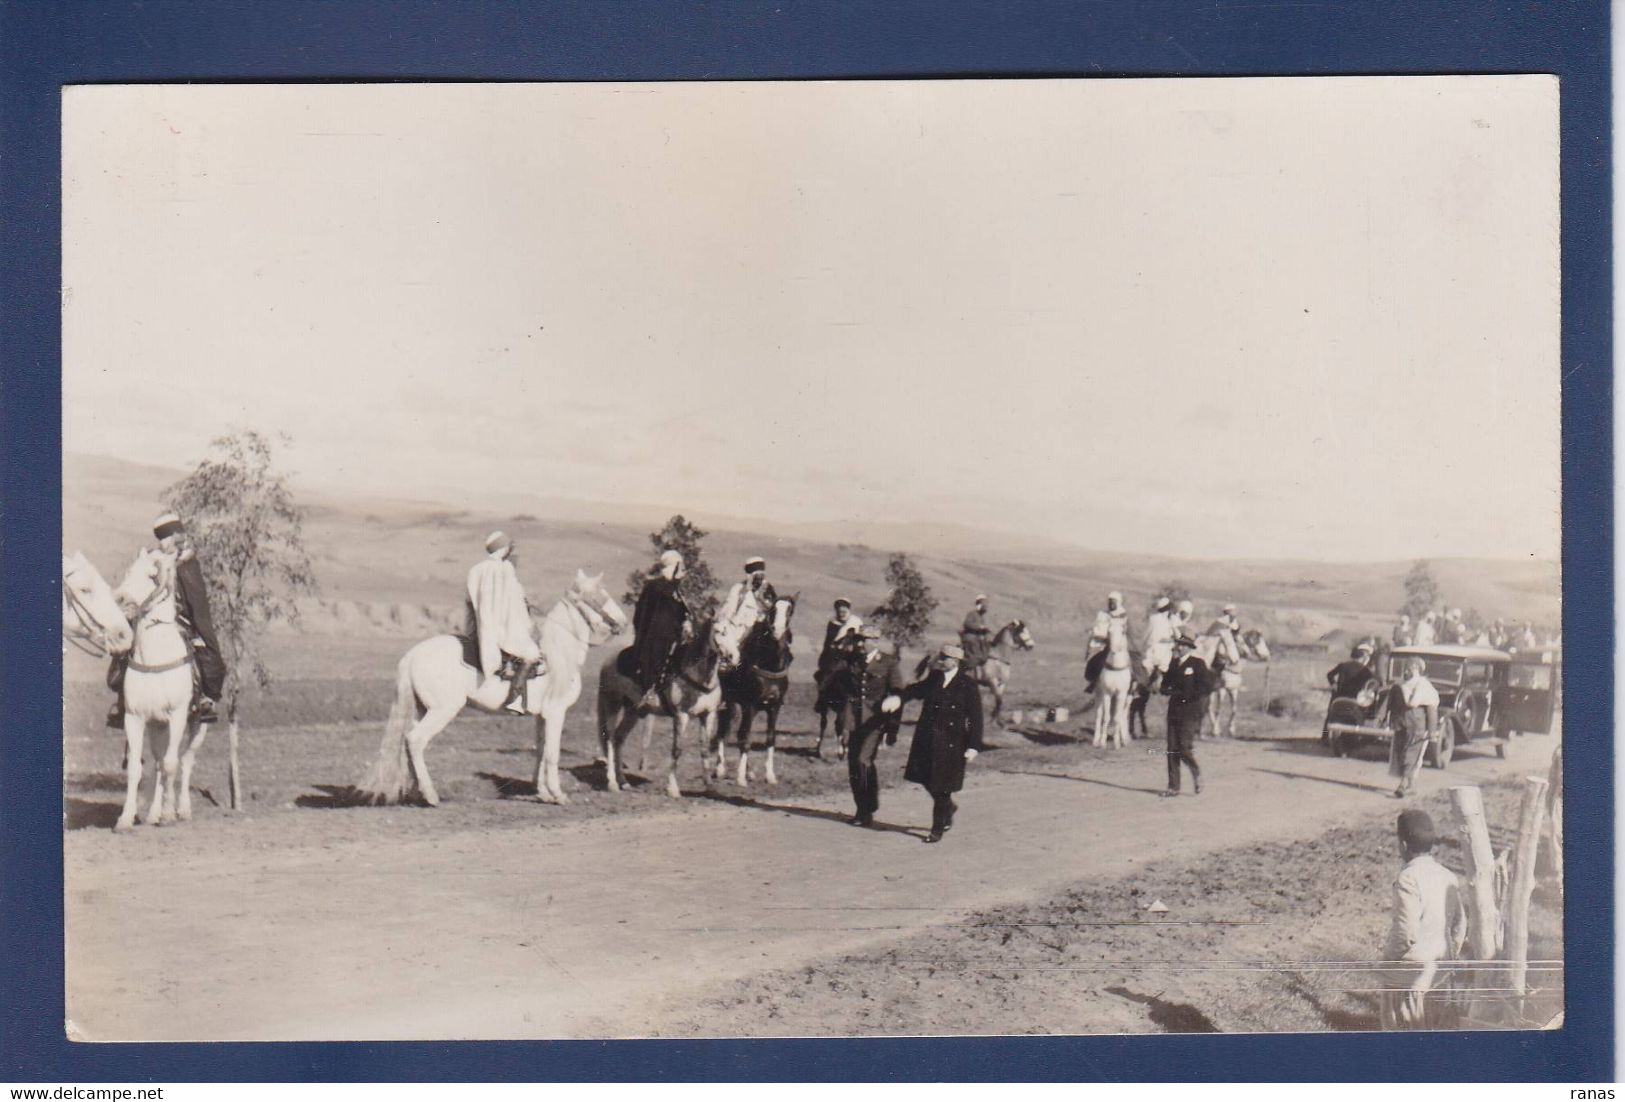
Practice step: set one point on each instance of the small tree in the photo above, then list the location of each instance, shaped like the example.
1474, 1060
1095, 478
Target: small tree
248, 535
698, 586
1421, 591
1175, 591
906, 613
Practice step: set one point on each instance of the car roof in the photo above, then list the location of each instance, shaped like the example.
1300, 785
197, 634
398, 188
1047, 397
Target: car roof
1452, 650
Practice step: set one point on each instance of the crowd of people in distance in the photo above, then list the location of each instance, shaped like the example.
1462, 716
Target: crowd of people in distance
1449, 626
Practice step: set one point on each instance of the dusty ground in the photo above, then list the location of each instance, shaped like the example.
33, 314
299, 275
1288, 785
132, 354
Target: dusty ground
493, 916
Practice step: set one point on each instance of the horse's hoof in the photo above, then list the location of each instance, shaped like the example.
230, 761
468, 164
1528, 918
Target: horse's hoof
771, 779
673, 790
124, 826
561, 799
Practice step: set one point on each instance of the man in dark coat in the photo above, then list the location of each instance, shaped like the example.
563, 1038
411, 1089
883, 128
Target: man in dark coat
840, 636
196, 623
948, 734
882, 678
1187, 685
658, 624
1347, 678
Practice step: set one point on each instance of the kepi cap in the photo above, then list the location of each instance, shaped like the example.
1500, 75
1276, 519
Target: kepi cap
167, 525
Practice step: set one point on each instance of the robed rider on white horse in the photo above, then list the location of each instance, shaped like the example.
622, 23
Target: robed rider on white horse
195, 620
499, 619
1114, 615
1160, 631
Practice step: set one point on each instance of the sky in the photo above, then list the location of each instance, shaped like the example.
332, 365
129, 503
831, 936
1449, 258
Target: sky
1294, 318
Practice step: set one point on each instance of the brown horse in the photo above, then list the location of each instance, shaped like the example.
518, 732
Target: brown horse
759, 683
693, 691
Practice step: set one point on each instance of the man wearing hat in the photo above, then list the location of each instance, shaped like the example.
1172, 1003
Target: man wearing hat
975, 637
840, 634
947, 735
1159, 643
882, 678
749, 601
499, 618
1187, 685
1348, 677
1429, 925
196, 622
659, 623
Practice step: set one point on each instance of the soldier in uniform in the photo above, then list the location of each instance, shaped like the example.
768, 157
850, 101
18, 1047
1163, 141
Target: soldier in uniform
196, 623
975, 637
1187, 687
882, 678
499, 619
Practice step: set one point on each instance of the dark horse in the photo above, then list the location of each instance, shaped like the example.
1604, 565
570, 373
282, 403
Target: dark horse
759, 683
840, 689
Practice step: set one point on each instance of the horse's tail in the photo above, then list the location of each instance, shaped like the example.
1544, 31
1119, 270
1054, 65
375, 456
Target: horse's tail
386, 782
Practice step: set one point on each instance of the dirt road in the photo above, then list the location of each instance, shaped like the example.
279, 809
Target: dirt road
578, 930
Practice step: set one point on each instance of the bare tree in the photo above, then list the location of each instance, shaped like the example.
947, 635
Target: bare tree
249, 538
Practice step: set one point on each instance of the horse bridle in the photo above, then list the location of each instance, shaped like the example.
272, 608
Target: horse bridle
95, 647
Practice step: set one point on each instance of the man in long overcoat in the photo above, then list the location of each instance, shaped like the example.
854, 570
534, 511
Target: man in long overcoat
1187, 686
948, 734
882, 679
658, 623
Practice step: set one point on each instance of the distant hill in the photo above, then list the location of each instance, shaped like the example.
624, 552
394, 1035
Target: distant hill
395, 566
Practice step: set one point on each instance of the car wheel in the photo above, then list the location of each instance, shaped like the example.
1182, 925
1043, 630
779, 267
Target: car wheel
1468, 717
1440, 753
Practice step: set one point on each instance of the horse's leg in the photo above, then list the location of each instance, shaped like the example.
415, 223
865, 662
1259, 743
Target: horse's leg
716, 742
1235, 705
1100, 717
823, 726
417, 741
679, 728
1120, 710
772, 739
615, 747
195, 734
747, 717
549, 729
135, 733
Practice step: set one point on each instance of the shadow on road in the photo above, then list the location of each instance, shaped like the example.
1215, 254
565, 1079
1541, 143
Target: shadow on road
1380, 789
80, 814
1079, 780
806, 812
1174, 1017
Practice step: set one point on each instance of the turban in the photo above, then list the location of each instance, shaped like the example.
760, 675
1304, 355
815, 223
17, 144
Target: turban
498, 541
167, 525
952, 650
755, 563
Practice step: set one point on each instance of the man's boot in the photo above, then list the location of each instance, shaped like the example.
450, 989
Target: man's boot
651, 701
204, 711
115, 714
516, 689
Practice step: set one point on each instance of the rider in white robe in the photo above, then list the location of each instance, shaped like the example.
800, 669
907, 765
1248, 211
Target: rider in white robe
748, 603
500, 618
1159, 642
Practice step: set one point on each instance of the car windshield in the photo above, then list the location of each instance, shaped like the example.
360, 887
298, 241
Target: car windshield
1524, 676
1443, 672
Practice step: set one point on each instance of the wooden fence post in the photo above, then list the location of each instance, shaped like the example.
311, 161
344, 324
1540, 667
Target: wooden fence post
1530, 813
1554, 816
1482, 917
234, 779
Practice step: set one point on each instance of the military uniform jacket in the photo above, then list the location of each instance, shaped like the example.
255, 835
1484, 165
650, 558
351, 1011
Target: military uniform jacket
950, 723
883, 677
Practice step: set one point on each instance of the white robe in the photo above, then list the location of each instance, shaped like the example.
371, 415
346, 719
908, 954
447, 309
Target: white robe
501, 618
741, 611
1159, 641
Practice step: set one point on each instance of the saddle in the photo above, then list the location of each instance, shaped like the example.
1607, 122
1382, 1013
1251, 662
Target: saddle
626, 664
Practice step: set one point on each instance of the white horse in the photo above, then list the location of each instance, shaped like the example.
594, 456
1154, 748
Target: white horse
1226, 654
433, 684
1113, 687
91, 618
158, 689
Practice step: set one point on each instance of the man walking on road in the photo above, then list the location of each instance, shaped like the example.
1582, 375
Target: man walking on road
882, 678
947, 736
1187, 687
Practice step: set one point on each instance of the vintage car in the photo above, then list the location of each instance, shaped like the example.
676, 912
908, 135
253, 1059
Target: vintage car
1483, 694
